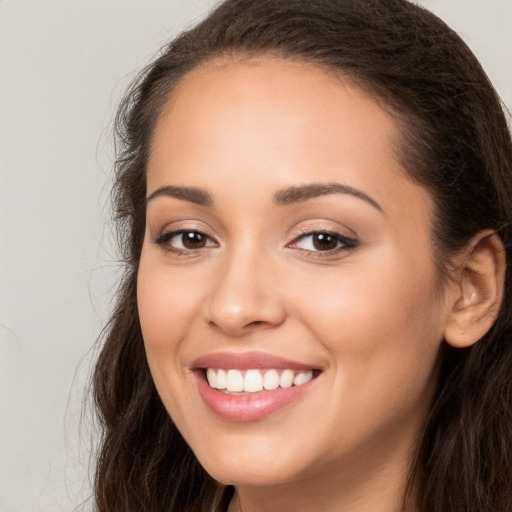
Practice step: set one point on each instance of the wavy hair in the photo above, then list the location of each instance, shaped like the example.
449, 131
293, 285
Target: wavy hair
455, 142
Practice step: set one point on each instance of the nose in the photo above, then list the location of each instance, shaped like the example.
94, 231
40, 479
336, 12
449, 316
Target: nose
245, 296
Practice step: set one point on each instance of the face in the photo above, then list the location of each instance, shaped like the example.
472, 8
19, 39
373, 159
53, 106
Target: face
287, 261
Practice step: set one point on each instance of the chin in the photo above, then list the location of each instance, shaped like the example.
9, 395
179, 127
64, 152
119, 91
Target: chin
232, 468
244, 476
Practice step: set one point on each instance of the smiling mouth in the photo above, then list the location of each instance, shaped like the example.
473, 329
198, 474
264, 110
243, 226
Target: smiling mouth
253, 385
235, 381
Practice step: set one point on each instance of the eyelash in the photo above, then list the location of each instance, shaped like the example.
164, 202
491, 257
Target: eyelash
343, 243
165, 239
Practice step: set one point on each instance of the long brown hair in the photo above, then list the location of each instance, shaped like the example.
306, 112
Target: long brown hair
455, 143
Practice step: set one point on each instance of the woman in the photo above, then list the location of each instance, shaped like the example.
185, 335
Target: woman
314, 202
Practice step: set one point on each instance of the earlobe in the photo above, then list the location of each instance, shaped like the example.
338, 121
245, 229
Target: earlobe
476, 297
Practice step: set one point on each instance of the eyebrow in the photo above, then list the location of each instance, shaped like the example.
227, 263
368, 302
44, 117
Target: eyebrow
192, 194
287, 196
301, 193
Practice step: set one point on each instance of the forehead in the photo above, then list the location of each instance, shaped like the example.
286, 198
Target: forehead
280, 122
269, 103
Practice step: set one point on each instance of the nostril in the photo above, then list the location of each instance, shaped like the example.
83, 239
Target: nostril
256, 323
244, 327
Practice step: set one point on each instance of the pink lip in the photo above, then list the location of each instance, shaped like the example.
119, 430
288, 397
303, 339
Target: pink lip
253, 406
249, 407
247, 361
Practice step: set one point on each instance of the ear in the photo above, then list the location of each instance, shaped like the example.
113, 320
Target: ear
475, 299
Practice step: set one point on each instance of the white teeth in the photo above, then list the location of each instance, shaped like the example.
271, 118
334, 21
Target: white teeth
235, 381
286, 379
255, 380
221, 380
302, 378
211, 377
271, 380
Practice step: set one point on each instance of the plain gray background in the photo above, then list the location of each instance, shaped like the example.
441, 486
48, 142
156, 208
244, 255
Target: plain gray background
63, 67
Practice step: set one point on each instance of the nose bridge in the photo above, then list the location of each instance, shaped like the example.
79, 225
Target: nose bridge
244, 295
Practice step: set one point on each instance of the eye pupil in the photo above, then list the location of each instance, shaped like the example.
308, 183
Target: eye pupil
324, 242
193, 240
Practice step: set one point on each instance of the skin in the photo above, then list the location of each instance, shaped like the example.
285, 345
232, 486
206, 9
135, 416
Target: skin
371, 317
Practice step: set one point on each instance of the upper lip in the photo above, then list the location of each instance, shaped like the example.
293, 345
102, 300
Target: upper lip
247, 361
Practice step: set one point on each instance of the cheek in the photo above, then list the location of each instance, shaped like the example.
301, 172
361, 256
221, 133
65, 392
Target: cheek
389, 298
166, 305
382, 324
166, 308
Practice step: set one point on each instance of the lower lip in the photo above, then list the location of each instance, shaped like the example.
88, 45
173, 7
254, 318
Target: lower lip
250, 407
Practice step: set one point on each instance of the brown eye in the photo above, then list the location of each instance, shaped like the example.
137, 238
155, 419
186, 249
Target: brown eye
181, 240
193, 240
324, 242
